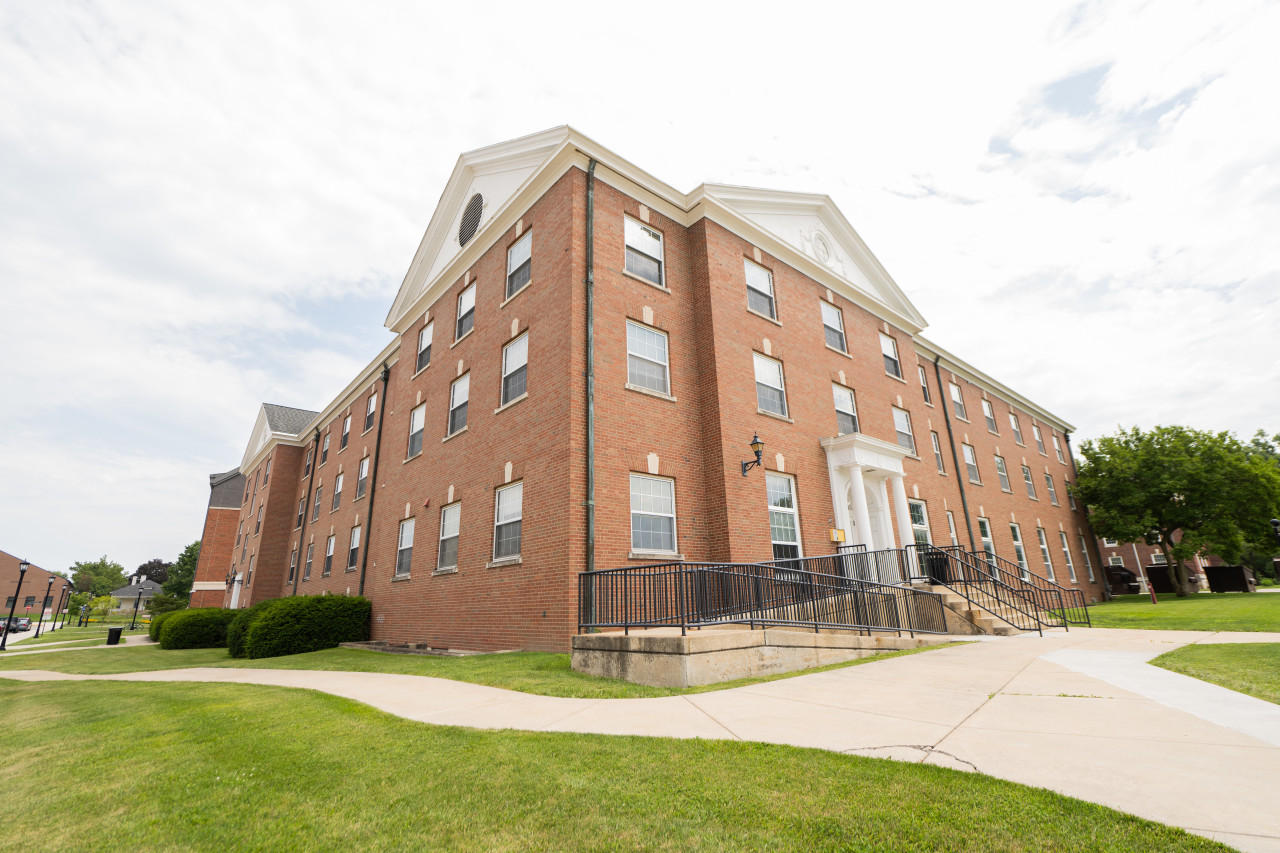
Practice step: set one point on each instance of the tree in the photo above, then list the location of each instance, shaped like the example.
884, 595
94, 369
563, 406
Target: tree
102, 605
156, 570
183, 573
99, 577
1188, 491
163, 603
78, 600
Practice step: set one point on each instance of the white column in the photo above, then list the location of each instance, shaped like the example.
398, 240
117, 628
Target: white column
860, 515
838, 502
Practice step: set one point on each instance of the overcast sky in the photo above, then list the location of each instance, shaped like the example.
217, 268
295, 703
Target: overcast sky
204, 206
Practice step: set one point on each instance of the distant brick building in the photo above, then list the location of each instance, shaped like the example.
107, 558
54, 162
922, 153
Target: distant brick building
36, 593
1139, 560
581, 356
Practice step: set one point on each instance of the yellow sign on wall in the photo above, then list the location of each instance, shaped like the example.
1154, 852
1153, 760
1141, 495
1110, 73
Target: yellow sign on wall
837, 535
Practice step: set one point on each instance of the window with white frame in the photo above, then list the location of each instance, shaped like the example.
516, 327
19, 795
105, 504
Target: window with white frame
353, 549
337, 492
784, 525
459, 391
1044, 554
771, 395
248, 579
919, 522
315, 514
1003, 474
1066, 557
1053, 493
990, 415
507, 513
417, 424
1111, 543
450, 530
266, 474
902, 428
404, 548
328, 557
988, 543
647, 358
1018, 551
293, 564
519, 263
924, 386
346, 432
369, 408
466, 312
1071, 499
971, 463
362, 478
937, 452
957, 402
515, 368
653, 514
306, 471
1017, 429
1057, 448
760, 290
306, 567
644, 251
257, 527
1158, 559
846, 410
424, 346
889, 350
833, 326
1035, 431
324, 447
1030, 483
951, 528
1116, 561
240, 531
1088, 564
302, 511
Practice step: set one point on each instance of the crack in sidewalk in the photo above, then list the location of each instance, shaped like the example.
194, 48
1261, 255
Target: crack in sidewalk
925, 748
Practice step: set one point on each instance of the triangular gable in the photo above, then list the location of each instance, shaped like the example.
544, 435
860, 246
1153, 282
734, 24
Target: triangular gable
262, 435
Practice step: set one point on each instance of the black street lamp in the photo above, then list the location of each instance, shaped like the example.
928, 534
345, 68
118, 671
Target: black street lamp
62, 596
134, 621
758, 447
22, 573
48, 600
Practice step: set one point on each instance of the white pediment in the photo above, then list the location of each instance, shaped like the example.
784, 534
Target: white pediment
257, 439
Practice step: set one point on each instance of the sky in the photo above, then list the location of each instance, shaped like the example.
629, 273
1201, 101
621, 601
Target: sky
207, 206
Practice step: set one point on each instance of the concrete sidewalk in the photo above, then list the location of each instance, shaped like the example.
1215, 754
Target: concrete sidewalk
1079, 713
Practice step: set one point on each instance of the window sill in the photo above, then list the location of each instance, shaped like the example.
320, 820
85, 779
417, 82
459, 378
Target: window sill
844, 353
357, 499
649, 391
419, 372
522, 289
350, 569
448, 570
1007, 491
975, 482
461, 339
897, 378
505, 561
764, 317
325, 575
644, 280
453, 435
411, 458
667, 556
760, 411
398, 578
366, 432
506, 406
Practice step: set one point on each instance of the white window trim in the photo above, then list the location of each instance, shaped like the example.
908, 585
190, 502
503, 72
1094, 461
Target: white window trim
527, 237
425, 340
909, 432
666, 364
794, 510
502, 387
1045, 557
632, 513
771, 294
838, 328
400, 547
756, 358
897, 358
497, 503
444, 511
852, 400
454, 404
661, 283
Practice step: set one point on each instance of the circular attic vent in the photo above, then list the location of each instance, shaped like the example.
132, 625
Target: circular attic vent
470, 219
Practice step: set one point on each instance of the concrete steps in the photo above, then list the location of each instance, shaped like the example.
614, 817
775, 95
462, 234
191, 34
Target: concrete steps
996, 621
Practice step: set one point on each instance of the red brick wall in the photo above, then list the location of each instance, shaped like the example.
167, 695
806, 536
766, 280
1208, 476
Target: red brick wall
35, 583
216, 548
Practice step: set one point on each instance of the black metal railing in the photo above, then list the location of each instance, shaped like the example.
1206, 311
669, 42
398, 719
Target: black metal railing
990, 588
1075, 610
835, 592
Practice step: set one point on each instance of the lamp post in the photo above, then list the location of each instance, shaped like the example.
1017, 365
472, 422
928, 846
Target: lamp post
134, 621
48, 599
62, 596
22, 573
757, 446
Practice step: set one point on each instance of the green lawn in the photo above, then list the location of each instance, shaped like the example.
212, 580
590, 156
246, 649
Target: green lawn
235, 767
72, 633
1207, 611
1252, 668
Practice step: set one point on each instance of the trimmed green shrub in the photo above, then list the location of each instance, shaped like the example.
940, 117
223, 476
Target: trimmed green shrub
238, 630
156, 621
308, 623
204, 628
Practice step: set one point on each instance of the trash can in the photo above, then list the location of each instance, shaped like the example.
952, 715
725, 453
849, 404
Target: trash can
113, 636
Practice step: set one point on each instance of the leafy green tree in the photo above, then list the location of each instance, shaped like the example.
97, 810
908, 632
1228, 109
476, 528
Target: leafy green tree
102, 605
154, 570
163, 603
98, 577
183, 573
1188, 491
76, 601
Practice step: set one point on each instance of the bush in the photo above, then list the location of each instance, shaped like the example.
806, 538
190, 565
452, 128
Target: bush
205, 628
308, 623
238, 630
157, 621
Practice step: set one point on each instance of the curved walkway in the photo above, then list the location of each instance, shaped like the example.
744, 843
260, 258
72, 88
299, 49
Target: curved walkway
1079, 713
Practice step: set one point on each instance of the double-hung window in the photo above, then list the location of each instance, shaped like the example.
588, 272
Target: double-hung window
519, 264
1066, 556
417, 423
302, 511
362, 478
306, 471
846, 410
971, 464
902, 426
644, 251
315, 515
1017, 428
647, 358
450, 526
293, 564
337, 492
771, 394
346, 432
937, 452
458, 394
889, 349
306, 567
424, 346
369, 409
1003, 474
240, 531
404, 548
760, 290
1071, 498
248, 579
1053, 493
324, 447
515, 368
951, 528
1057, 448
466, 312
257, 527
1044, 554
328, 557
1035, 431
988, 543
1019, 552
957, 402
653, 514
924, 386
1031, 483
833, 326
919, 523
1088, 564
990, 415
266, 474
353, 549
784, 526
507, 512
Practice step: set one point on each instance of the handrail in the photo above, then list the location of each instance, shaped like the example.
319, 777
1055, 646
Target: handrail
984, 588
1075, 610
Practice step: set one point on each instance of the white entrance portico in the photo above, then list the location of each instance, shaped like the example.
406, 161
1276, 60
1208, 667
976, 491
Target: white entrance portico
863, 470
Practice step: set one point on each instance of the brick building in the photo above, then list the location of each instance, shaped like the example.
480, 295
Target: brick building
35, 593
1138, 560
622, 342
217, 541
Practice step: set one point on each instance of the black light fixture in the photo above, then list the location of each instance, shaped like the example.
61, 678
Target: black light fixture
48, 599
22, 573
757, 446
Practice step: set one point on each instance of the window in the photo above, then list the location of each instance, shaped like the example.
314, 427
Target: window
990, 415
971, 464
919, 523
924, 386
846, 410
644, 251
760, 290
306, 471
1066, 556
9, 602
369, 409
353, 549
647, 358
337, 492
266, 474
515, 367
324, 448
315, 516
957, 402
653, 514
30, 602
346, 432
239, 531
519, 263
508, 509
902, 426
988, 543
1071, 499
937, 452
1088, 564
328, 557
417, 423
1057, 448
1116, 561
302, 511
306, 567
771, 396
424, 346
1031, 483
951, 529
1017, 430
1111, 543
466, 312
293, 564
889, 349
1158, 559
404, 548
450, 525
1003, 474
1044, 554
1053, 493
784, 528
244, 549
257, 527
1019, 552
458, 393
833, 326
362, 478
1035, 431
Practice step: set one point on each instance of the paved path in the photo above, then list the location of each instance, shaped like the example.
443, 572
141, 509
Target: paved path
1079, 713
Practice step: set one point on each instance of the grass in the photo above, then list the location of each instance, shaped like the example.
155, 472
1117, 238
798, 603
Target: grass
64, 634
37, 646
1207, 611
235, 767
1252, 668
